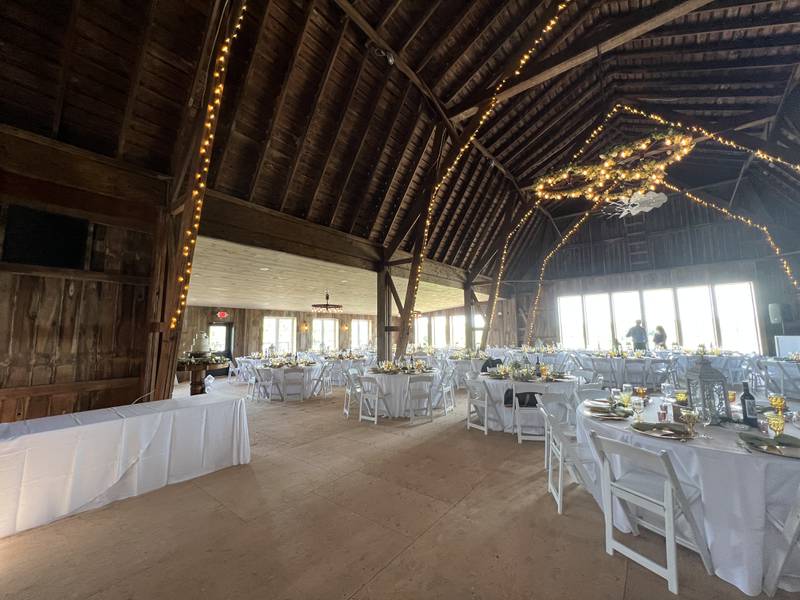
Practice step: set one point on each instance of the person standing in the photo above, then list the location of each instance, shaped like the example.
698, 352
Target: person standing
660, 337
638, 335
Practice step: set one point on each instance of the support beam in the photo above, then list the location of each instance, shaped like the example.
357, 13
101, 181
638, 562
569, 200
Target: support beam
383, 336
469, 316
66, 65
629, 28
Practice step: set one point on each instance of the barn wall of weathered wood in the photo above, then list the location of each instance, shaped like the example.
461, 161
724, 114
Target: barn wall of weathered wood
248, 326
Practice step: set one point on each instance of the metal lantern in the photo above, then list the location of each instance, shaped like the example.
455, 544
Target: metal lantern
708, 389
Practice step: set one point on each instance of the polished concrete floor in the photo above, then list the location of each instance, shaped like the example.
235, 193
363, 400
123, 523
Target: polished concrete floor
333, 508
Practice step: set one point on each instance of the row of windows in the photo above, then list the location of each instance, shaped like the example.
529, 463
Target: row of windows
722, 316
280, 333
433, 331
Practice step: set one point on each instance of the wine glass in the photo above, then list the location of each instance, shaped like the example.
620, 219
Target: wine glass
689, 417
667, 389
776, 423
704, 417
627, 388
681, 396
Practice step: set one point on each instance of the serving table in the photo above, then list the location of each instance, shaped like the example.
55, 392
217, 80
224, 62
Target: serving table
737, 489
197, 371
61, 465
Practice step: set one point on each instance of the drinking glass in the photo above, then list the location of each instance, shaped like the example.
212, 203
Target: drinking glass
681, 396
637, 403
627, 388
704, 417
667, 389
776, 423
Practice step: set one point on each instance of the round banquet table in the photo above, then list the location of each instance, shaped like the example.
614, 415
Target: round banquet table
340, 365
501, 417
462, 366
397, 386
310, 373
737, 488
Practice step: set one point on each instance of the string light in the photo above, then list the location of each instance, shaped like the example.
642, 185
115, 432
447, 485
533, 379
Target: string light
216, 84
416, 272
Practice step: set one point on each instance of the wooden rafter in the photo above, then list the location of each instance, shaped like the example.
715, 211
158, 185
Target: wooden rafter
280, 101
230, 123
380, 148
412, 33
449, 194
479, 211
136, 76
397, 238
446, 35
395, 170
375, 104
66, 65
303, 136
461, 217
488, 230
539, 71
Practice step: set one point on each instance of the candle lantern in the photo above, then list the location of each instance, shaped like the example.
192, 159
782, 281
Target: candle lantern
708, 389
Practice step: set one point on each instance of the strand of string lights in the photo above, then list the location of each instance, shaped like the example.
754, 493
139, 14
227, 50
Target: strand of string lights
416, 272
192, 224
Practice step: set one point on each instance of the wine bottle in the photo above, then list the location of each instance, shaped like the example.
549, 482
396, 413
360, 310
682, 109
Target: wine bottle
538, 368
748, 402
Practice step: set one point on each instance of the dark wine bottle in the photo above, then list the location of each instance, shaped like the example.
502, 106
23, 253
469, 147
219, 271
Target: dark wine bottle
538, 368
748, 402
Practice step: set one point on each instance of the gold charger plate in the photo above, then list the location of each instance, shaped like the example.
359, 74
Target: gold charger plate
604, 416
663, 432
770, 445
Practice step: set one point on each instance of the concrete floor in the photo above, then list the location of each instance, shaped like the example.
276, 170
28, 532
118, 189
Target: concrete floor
331, 508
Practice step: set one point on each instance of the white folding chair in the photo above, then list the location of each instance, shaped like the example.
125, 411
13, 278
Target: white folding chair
477, 400
519, 411
263, 383
371, 396
562, 447
659, 371
322, 383
447, 389
352, 390
233, 371
420, 396
634, 371
789, 528
249, 375
294, 383
649, 483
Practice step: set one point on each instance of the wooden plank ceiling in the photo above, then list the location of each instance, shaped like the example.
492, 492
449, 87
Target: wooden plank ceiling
318, 124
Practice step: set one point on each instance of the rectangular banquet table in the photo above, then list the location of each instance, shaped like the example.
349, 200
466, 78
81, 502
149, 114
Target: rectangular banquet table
737, 489
57, 466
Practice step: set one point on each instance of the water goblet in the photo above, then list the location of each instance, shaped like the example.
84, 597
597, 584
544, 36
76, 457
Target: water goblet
667, 389
776, 423
689, 417
637, 403
704, 416
627, 388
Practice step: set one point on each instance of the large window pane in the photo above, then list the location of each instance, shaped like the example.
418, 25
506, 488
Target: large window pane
479, 323
279, 334
439, 331
570, 319
659, 310
598, 321
458, 331
360, 332
626, 310
218, 338
421, 332
736, 311
325, 334
697, 318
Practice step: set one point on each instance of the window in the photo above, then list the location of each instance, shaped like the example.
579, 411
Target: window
360, 333
421, 337
325, 334
458, 331
479, 324
736, 312
570, 318
279, 334
218, 338
696, 316
626, 311
597, 317
659, 310
439, 331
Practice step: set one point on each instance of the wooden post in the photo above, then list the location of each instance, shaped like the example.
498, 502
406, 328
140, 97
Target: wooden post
469, 314
383, 336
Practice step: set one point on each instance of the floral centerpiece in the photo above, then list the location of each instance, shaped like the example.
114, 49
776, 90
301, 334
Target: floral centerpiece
793, 356
280, 362
389, 367
208, 359
344, 356
468, 354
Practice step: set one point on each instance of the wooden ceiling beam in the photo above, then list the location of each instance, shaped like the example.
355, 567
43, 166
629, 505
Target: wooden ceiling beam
538, 71
395, 171
280, 100
747, 63
447, 34
736, 25
318, 93
393, 241
477, 213
136, 76
489, 229
66, 64
381, 148
230, 123
542, 164
456, 222
412, 33
373, 105
389, 13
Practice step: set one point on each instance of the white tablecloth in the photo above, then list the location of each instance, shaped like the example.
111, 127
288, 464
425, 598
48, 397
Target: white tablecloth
397, 386
309, 374
57, 466
462, 366
736, 490
501, 417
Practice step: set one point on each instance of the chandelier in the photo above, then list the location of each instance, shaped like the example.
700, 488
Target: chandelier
327, 307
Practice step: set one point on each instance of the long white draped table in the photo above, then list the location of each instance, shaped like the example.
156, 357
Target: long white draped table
737, 488
397, 386
501, 417
57, 466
